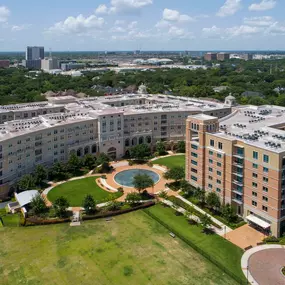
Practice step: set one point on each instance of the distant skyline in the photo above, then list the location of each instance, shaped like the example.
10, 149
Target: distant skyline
94, 25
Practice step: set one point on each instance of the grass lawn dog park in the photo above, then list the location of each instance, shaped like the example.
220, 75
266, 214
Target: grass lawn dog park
171, 161
76, 190
130, 249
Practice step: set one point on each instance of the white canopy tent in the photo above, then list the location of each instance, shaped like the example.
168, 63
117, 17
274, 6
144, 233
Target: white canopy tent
26, 197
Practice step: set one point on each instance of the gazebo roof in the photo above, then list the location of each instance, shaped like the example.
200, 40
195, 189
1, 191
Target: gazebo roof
26, 197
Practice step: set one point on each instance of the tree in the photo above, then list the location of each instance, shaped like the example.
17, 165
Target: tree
160, 148
186, 187
133, 198
200, 194
58, 172
213, 201
89, 204
74, 163
181, 147
189, 212
103, 157
205, 222
40, 174
140, 151
229, 213
89, 161
27, 182
38, 205
175, 173
60, 205
142, 181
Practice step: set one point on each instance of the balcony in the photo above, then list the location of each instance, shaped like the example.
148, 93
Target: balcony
239, 174
238, 164
238, 183
237, 192
237, 200
239, 155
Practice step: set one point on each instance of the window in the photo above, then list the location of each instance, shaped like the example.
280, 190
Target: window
254, 203
219, 155
220, 145
218, 190
264, 198
265, 158
265, 169
264, 208
194, 170
265, 189
194, 146
210, 169
212, 143
210, 160
194, 154
254, 175
219, 181
219, 164
210, 177
194, 178
210, 186
255, 155
265, 179
219, 173
254, 184
254, 165
254, 194
211, 152
194, 162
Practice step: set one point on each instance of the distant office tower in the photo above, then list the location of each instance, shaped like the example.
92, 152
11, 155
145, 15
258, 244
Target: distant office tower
247, 56
4, 63
34, 55
223, 56
210, 56
49, 64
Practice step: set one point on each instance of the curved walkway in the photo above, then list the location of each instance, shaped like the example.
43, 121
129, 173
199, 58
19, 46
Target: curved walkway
261, 265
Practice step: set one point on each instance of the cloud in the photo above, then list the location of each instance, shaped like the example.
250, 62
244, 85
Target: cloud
263, 21
4, 14
263, 5
229, 8
77, 25
175, 16
227, 33
128, 6
18, 28
276, 29
102, 10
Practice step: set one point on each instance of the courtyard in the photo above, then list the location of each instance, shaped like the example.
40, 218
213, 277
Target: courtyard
129, 249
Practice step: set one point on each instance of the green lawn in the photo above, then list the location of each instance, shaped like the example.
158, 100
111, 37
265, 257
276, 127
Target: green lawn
9, 220
171, 161
130, 249
76, 190
222, 250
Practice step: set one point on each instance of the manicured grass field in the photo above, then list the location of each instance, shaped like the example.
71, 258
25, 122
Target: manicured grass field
76, 190
9, 220
171, 161
130, 249
218, 248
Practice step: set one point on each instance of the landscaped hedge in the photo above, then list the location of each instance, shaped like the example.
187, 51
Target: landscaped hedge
119, 212
37, 221
184, 205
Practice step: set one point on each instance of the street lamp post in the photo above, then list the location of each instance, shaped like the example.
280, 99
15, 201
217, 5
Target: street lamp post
247, 267
225, 232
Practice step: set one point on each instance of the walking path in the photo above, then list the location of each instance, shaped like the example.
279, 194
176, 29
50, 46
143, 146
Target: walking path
224, 229
265, 263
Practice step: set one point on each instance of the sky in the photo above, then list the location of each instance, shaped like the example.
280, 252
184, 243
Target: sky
99, 25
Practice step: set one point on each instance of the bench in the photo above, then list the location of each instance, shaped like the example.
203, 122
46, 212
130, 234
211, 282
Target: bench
172, 235
108, 219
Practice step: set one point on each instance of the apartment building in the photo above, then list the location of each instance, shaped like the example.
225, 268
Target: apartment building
209, 56
241, 157
222, 56
48, 132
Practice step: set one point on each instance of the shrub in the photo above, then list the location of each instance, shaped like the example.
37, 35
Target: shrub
103, 176
271, 239
120, 189
163, 194
131, 163
150, 164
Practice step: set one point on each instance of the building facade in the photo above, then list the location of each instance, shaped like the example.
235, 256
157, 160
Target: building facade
222, 56
241, 157
35, 53
4, 63
209, 56
49, 64
47, 132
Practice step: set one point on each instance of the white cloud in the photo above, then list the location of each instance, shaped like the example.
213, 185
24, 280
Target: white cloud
276, 29
77, 25
102, 10
18, 28
213, 32
132, 25
175, 16
263, 5
4, 14
229, 8
179, 33
128, 6
263, 21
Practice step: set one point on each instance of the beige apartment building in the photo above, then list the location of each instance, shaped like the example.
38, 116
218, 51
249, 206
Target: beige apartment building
241, 157
48, 132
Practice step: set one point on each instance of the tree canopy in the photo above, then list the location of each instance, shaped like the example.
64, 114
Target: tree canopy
140, 151
142, 181
175, 173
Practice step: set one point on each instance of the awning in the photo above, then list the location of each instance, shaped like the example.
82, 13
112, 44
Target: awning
258, 221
